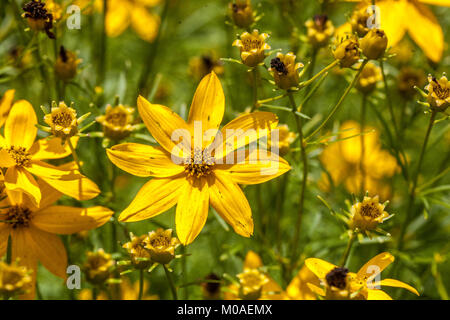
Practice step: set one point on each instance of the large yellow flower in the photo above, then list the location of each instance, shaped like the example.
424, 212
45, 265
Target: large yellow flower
200, 179
33, 230
400, 16
340, 284
22, 157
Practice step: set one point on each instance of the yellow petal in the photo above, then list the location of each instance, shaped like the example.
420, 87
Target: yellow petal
443, 3
4, 234
117, 18
5, 105
143, 161
162, 123
373, 294
156, 196
50, 149
315, 289
49, 194
208, 105
425, 30
258, 167
68, 220
145, 24
375, 266
244, 130
192, 210
17, 178
252, 260
5, 159
397, 284
230, 203
50, 251
319, 267
298, 288
20, 127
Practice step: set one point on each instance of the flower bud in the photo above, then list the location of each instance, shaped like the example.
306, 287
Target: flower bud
66, 64
252, 47
347, 51
374, 44
285, 70
366, 215
251, 284
98, 266
319, 30
438, 93
408, 78
161, 245
117, 122
242, 13
140, 257
370, 75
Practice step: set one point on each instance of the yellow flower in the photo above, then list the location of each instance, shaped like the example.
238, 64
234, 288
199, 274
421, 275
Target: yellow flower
54, 8
347, 51
370, 76
408, 78
285, 70
358, 21
319, 30
117, 122
34, 230
366, 215
123, 13
254, 284
66, 64
22, 157
285, 138
14, 280
98, 266
438, 93
199, 175
374, 44
400, 16
5, 105
340, 284
62, 121
140, 257
298, 288
205, 64
252, 47
161, 245
342, 160
38, 16
123, 291
242, 13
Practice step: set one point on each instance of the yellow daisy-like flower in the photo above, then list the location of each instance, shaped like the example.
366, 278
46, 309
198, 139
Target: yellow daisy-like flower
203, 65
285, 139
117, 122
400, 16
370, 76
319, 30
161, 245
438, 93
193, 173
34, 230
285, 70
366, 215
340, 284
39, 17
66, 64
22, 157
14, 280
347, 51
63, 121
5, 105
252, 47
254, 284
242, 13
140, 257
98, 266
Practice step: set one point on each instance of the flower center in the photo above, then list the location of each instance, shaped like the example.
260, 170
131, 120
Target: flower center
19, 155
160, 241
250, 44
63, 54
441, 93
278, 65
337, 278
117, 119
35, 9
370, 209
63, 119
18, 216
320, 21
200, 164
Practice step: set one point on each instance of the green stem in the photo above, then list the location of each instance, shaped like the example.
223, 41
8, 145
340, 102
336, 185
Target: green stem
318, 74
363, 149
141, 284
102, 53
74, 154
279, 209
347, 249
171, 284
339, 103
412, 195
255, 89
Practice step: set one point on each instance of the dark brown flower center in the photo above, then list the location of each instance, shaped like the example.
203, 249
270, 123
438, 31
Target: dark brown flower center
370, 209
337, 278
63, 119
320, 20
35, 9
19, 155
278, 65
250, 44
200, 164
17, 216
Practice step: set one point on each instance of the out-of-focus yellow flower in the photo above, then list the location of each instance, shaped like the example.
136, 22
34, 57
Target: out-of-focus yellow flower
117, 122
38, 16
54, 8
408, 78
123, 291
347, 51
140, 257
285, 139
242, 13
438, 93
298, 288
20, 57
319, 30
342, 160
374, 44
14, 280
62, 121
98, 266
340, 284
161, 245
202, 65
210, 289
400, 16
254, 284
285, 70
366, 215
252, 47
5, 105
402, 52
66, 64
358, 21
370, 76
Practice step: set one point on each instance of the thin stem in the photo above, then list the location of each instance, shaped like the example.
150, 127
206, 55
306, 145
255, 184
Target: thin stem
141, 284
171, 284
363, 149
101, 56
412, 195
279, 209
347, 249
318, 74
388, 98
272, 99
255, 89
339, 103
74, 154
